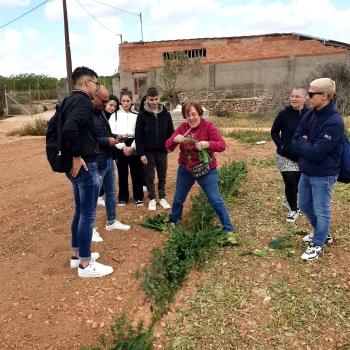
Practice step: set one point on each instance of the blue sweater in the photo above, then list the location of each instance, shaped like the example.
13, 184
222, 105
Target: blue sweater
320, 153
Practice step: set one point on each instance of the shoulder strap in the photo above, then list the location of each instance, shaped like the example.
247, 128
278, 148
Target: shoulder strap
61, 109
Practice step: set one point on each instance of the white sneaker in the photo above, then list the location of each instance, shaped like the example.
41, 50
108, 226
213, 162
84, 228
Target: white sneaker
308, 239
152, 204
164, 204
101, 201
144, 188
95, 269
312, 252
96, 237
292, 216
74, 263
117, 225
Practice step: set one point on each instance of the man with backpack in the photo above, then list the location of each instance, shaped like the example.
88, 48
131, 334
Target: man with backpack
319, 142
80, 144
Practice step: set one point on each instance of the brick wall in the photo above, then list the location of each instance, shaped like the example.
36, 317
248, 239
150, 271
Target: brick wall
142, 57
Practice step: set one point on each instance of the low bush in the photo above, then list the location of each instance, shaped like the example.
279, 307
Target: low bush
36, 128
126, 337
187, 247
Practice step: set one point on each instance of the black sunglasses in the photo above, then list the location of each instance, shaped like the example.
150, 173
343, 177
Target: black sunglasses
311, 94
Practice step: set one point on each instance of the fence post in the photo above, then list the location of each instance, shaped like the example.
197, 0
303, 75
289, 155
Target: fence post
6, 104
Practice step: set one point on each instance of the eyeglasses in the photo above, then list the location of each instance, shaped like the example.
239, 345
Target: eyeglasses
311, 94
95, 82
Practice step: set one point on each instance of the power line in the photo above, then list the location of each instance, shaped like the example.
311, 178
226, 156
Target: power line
99, 22
129, 12
24, 14
118, 9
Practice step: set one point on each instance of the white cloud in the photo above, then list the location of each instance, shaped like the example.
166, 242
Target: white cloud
31, 33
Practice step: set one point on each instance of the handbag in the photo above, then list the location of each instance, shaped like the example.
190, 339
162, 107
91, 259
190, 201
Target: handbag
199, 170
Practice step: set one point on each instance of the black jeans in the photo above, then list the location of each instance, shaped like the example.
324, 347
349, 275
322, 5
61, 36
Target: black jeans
291, 181
136, 171
156, 160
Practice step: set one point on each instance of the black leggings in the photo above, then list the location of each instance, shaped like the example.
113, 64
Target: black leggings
291, 180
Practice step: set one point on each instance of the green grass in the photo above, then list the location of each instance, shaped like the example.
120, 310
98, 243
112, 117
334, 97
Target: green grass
35, 128
262, 296
243, 121
249, 136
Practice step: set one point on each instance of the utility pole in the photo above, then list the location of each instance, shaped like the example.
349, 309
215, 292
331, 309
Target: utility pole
67, 46
140, 15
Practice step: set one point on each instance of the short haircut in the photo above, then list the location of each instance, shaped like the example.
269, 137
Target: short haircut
152, 92
81, 71
187, 105
325, 85
303, 90
125, 92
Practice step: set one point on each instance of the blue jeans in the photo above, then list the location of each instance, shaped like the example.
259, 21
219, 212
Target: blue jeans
108, 178
86, 187
315, 194
210, 187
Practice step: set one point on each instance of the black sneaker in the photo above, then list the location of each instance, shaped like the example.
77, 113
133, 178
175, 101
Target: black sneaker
121, 204
139, 203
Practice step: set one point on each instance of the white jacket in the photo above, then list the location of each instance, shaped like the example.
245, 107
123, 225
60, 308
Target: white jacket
124, 123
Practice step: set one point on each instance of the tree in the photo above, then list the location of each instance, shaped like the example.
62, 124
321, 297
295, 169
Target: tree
176, 67
340, 73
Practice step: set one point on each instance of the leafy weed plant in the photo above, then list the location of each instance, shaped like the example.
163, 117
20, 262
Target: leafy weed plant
35, 128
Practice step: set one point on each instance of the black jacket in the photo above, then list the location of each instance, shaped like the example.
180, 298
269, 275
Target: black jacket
103, 133
152, 130
320, 153
283, 129
77, 134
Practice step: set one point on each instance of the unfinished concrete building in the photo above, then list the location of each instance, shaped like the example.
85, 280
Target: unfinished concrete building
245, 62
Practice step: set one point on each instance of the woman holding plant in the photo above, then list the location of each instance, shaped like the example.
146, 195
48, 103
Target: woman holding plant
198, 140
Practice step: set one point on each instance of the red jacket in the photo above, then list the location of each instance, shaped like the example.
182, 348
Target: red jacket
189, 155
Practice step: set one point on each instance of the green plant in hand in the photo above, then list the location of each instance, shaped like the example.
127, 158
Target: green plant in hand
204, 155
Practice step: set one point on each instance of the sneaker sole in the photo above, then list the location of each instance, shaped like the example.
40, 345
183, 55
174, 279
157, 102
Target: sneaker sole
93, 276
119, 229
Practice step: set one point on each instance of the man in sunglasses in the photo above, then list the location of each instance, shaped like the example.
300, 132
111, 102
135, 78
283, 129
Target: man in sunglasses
79, 141
318, 140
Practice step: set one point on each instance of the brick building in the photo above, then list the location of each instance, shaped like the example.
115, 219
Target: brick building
233, 63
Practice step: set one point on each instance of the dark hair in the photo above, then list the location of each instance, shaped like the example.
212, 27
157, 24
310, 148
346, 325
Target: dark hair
125, 92
187, 105
114, 98
142, 103
81, 71
152, 92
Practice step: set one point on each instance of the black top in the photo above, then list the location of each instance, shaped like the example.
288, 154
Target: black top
283, 129
152, 130
78, 137
103, 132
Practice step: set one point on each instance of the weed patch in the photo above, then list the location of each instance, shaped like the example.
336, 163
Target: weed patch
250, 136
126, 337
36, 128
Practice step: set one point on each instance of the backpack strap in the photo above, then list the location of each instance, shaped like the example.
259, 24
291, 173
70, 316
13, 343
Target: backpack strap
61, 109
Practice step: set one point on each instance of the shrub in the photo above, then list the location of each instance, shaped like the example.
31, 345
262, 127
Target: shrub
222, 114
187, 247
36, 128
126, 337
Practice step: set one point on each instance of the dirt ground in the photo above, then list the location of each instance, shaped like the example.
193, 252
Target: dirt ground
43, 303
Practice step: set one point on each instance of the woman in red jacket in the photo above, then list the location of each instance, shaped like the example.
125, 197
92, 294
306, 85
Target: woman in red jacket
194, 135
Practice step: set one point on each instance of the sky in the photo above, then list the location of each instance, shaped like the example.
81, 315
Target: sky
35, 43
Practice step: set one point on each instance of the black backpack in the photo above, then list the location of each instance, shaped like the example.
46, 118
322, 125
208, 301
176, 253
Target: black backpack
60, 161
344, 175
